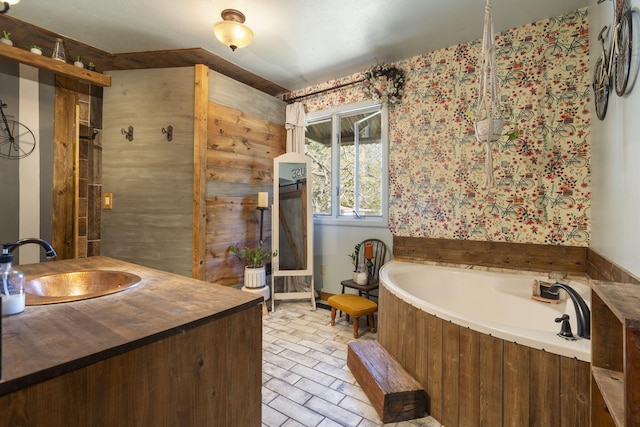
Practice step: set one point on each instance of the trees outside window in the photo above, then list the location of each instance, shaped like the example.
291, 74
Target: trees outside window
349, 150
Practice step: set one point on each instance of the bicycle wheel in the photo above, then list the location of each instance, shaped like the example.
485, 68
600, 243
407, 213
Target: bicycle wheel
564, 130
563, 202
600, 88
579, 236
16, 140
526, 183
554, 51
623, 55
541, 202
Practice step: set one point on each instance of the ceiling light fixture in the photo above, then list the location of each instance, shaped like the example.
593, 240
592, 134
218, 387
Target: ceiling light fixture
231, 31
7, 5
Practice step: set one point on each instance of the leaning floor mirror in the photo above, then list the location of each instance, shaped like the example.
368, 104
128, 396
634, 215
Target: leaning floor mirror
292, 229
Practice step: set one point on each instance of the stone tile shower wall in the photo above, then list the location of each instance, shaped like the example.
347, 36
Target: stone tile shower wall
542, 192
89, 170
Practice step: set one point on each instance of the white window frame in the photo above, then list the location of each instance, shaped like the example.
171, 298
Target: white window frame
335, 218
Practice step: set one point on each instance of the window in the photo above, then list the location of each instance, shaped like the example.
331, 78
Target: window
349, 151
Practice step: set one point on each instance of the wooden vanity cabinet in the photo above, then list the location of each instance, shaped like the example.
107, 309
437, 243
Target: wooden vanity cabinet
203, 376
171, 351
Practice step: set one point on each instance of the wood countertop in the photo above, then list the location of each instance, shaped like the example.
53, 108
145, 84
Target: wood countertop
46, 341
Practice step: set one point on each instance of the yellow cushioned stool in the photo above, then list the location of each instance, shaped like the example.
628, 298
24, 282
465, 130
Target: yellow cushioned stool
353, 305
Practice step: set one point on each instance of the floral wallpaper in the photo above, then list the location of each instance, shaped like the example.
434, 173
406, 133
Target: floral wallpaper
542, 192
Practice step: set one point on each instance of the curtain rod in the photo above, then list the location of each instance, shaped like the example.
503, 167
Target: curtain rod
318, 92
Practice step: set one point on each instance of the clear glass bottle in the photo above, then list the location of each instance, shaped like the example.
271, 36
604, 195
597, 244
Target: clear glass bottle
11, 286
58, 51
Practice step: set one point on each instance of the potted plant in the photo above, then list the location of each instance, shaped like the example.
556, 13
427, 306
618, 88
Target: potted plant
6, 38
482, 129
354, 260
36, 49
90, 66
253, 260
78, 62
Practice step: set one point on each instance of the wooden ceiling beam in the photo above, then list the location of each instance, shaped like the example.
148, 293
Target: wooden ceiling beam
25, 34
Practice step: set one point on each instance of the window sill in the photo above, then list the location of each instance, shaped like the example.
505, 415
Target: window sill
362, 222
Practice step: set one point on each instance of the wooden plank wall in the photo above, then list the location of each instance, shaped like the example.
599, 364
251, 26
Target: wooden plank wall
200, 120
523, 256
600, 268
240, 152
151, 178
65, 154
476, 379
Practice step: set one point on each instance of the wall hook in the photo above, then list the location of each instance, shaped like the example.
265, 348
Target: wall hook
169, 132
128, 133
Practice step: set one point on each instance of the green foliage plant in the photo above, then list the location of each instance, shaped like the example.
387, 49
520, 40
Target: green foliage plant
354, 256
252, 258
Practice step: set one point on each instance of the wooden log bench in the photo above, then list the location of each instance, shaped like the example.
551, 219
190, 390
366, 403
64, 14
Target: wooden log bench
393, 392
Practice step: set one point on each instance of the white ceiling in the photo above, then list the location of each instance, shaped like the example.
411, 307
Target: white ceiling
297, 43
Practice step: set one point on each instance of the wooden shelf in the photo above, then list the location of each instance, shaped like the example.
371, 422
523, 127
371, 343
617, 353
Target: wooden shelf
615, 353
58, 67
611, 385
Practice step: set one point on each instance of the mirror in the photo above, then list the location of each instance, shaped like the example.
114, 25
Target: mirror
292, 220
292, 227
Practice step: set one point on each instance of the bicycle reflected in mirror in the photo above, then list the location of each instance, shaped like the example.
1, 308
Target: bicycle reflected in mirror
16, 140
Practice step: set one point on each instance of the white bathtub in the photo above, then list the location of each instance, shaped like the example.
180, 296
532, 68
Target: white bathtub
494, 303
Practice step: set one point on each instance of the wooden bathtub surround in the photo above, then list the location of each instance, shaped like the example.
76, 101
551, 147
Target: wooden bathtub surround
452, 386
172, 351
600, 268
394, 394
520, 256
475, 379
615, 347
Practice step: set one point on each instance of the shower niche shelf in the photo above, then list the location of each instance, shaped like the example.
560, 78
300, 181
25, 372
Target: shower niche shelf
615, 354
58, 67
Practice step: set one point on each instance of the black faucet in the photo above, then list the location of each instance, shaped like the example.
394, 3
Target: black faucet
7, 248
583, 313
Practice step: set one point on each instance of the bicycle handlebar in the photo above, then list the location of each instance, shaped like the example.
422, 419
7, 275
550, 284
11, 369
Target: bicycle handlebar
600, 37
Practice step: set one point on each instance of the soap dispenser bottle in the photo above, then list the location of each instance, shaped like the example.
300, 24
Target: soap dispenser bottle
11, 285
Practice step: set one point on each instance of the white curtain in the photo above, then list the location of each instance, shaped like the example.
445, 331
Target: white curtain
295, 121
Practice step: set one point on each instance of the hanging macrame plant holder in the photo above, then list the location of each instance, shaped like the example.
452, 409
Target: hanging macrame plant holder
488, 125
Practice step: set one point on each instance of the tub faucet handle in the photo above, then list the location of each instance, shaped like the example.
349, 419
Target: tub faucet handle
565, 328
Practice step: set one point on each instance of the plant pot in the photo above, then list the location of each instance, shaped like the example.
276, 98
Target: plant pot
36, 51
90, 67
354, 276
78, 64
8, 42
363, 278
255, 277
482, 129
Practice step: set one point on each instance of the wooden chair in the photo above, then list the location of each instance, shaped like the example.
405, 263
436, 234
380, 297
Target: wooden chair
379, 253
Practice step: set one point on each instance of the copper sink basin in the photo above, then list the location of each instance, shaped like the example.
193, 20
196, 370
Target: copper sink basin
75, 286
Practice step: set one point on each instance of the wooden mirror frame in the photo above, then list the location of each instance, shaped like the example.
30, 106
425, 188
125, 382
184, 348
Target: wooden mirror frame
307, 270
